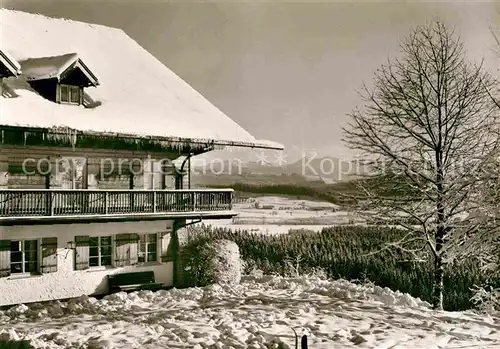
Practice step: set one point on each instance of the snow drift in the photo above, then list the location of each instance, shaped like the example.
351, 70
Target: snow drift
334, 314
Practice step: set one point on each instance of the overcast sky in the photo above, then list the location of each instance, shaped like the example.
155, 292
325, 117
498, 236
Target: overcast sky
286, 71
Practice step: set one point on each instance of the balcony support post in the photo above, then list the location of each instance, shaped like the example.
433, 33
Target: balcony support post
93, 202
131, 194
195, 197
155, 200
52, 174
182, 172
163, 175
4, 170
178, 240
177, 268
92, 173
106, 203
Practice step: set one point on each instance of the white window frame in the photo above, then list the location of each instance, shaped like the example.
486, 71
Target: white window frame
147, 242
23, 259
77, 179
71, 91
99, 253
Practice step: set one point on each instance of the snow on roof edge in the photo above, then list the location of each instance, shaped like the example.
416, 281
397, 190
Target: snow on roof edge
258, 144
267, 144
5, 56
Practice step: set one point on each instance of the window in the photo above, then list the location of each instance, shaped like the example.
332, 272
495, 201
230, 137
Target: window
118, 251
100, 251
70, 94
148, 248
23, 256
28, 256
64, 94
73, 172
74, 95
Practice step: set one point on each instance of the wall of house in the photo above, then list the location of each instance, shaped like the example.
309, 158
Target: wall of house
23, 181
66, 282
17, 161
4, 170
146, 180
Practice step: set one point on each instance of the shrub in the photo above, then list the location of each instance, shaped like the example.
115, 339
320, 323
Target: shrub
206, 261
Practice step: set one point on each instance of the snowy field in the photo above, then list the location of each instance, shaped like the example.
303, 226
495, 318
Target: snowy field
334, 314
277, 215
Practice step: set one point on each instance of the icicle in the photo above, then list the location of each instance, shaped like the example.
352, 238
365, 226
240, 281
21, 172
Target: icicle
73, 139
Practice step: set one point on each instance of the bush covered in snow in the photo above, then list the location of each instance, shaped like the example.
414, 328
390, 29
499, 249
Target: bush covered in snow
205, 262
487, 300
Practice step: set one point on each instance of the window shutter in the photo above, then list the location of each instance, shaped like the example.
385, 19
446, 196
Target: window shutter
122, 248
4, 258
81, 252
49, 255
126, 249
165, 247
159, 246
134, 249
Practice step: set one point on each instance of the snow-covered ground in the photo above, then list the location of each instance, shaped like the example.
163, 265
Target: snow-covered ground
334, 314
277, 215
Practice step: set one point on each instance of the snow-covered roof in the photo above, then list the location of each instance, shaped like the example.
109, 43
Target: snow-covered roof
55, 67
11, 66
137, 94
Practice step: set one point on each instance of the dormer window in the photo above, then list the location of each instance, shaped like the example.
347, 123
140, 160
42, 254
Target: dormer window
61, 79
70, 94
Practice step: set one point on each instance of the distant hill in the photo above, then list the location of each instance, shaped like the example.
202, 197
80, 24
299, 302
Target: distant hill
326, 179
327, 170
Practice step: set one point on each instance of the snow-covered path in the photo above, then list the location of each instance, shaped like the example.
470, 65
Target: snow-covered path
334, 314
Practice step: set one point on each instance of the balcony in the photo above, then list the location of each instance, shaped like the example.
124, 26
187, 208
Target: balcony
48, 206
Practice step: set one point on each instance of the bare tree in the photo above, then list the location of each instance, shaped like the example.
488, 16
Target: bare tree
487, 297
428, 131
495, 32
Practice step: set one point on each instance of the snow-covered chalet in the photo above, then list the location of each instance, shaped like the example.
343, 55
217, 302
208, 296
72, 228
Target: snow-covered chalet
95, 140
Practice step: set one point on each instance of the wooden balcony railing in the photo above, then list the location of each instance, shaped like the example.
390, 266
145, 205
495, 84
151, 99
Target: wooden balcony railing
82, 202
